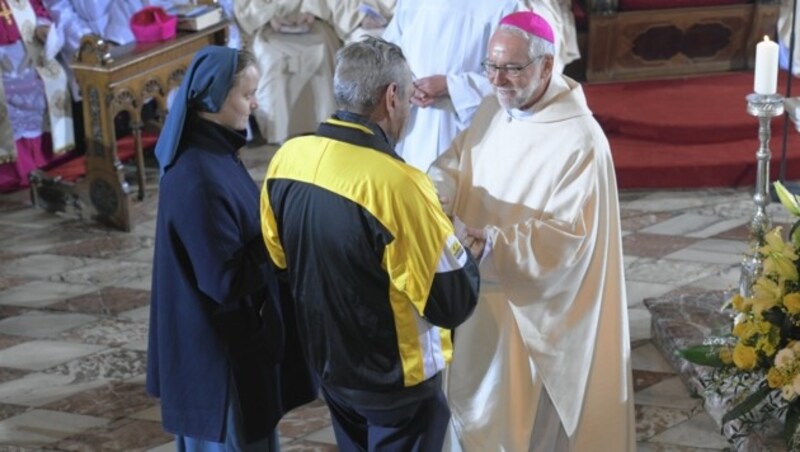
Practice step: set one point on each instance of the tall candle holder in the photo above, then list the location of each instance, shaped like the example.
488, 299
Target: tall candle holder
764, 107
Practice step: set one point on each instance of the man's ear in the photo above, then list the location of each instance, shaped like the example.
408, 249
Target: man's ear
547, 70
391, 96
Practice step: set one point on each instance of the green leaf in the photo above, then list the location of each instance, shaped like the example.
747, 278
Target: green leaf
790, 425
788, 199
705, 355
747, 404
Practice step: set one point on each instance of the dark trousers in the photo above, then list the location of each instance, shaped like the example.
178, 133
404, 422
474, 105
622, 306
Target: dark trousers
419, 425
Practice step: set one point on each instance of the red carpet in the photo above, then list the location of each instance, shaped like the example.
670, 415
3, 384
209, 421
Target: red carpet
689, 132
75, 168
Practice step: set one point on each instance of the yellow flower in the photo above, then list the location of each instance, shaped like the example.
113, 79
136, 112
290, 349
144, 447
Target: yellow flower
775, 378
766, 294
763, 327
785, 358
766, 346
781, 266
779, 256
792, 303
744, 330
787, 392
744, 357
740, 303
789, 200
726, 355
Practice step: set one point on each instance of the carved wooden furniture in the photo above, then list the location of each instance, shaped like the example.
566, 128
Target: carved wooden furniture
120, 79
626, 44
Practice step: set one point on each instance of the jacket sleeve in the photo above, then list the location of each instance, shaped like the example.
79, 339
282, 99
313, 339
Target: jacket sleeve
454, 292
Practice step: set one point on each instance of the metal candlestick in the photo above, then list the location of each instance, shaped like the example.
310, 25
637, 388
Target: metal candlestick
764, 107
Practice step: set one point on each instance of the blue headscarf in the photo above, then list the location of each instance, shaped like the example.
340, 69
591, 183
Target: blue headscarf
204, 88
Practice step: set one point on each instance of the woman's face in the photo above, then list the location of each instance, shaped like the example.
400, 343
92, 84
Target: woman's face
241, 101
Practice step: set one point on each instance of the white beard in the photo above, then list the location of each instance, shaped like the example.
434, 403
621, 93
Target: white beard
520, 97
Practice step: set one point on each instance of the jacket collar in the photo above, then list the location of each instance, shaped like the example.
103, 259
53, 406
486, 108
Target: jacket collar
357, 130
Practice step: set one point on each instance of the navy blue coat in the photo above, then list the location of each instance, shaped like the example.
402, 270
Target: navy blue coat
218, 314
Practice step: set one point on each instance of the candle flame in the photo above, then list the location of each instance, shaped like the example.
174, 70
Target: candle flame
766, 38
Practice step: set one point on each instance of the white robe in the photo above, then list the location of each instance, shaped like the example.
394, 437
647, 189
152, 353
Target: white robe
295, 91
785, 35
552, 315
446, 37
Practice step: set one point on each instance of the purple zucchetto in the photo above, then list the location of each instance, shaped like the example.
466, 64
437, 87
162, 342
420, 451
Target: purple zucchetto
531, 23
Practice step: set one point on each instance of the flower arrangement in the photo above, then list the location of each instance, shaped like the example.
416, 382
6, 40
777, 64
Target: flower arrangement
758, 361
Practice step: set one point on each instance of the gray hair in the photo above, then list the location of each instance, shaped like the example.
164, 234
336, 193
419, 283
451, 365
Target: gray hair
536, 46
363, 71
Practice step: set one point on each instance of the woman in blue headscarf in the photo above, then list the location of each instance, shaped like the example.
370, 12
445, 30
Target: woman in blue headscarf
220, 321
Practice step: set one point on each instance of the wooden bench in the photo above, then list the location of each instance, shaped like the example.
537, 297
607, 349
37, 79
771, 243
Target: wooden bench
112, 81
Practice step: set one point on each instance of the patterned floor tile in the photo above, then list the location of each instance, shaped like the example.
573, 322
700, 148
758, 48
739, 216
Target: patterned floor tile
104, 247
114, 364
634, 220
305, 419
308, 446
698, 431
41, 324
40, 294
43, 266
9, 373
654, 245
42, 427
741, 233
106, 301
8, 282
653, 420
111, 332
113, 401
8, 410
105, 273
126, 434
643, 379
10, 341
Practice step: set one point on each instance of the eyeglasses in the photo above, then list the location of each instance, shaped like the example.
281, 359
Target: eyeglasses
510, 71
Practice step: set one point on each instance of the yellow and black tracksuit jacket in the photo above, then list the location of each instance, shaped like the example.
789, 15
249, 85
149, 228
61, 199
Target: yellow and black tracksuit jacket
374, 265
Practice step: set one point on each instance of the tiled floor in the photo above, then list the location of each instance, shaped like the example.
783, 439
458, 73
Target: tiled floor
73, 322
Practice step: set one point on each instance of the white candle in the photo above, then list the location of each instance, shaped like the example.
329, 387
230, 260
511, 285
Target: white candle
766, 78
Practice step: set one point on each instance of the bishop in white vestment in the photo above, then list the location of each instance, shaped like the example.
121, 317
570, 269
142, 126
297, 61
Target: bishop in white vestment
543, 364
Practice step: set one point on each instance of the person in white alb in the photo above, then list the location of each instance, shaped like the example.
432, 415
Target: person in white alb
444, 42
544, 362
295, 42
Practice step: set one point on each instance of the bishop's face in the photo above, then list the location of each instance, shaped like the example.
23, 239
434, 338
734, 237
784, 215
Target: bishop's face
517, 79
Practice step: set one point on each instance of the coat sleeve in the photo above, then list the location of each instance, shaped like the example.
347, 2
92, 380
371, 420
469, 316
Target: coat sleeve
532, 256
70, 23
226, 265
467, 90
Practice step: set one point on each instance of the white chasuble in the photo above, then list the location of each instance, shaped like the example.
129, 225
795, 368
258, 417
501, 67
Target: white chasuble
552, 315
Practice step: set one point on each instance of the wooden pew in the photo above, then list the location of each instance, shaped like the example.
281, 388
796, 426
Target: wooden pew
114, 80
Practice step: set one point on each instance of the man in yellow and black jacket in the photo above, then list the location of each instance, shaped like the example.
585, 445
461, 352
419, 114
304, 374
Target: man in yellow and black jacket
376, 270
